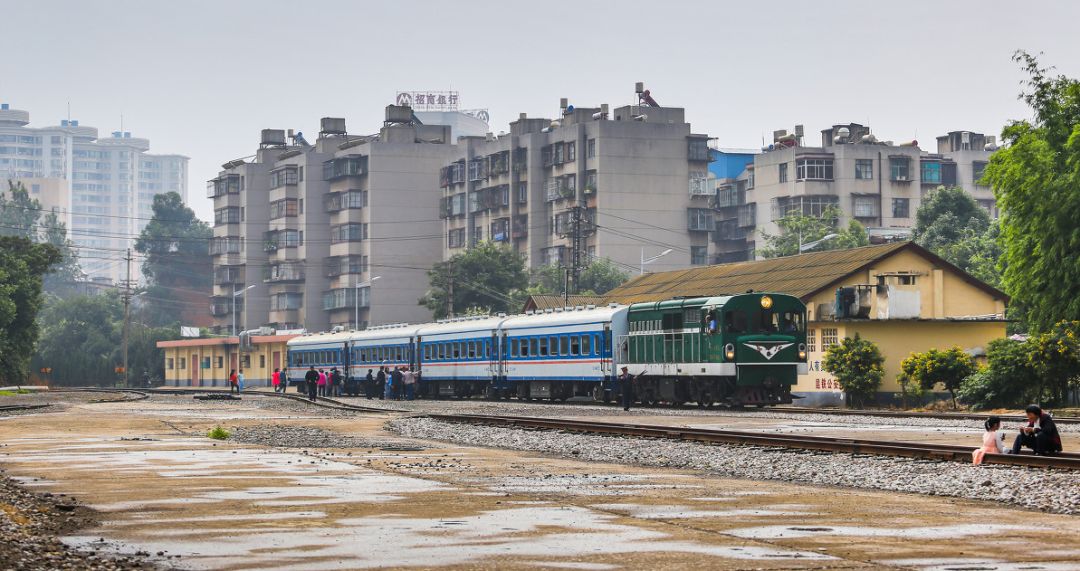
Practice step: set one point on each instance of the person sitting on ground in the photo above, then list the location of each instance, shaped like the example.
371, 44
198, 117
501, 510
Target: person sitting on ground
1040, 434
993, 441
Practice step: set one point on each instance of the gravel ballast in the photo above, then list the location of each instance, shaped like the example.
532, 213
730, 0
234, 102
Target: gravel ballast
1047, 490
31, 525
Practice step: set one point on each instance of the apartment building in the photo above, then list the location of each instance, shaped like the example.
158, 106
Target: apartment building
878, 183
335, 233
103, 187
626, 185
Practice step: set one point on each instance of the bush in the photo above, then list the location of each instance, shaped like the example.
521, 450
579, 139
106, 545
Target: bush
1009, 378
218, 433
948, 368
857, 365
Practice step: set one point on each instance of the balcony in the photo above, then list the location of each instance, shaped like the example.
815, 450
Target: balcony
343, 265
521, 227
226, 275
220, 245
341, 167
338, 201
228, 215
699, 186
289, 301
287, 176
346, 298
221, 306
283, 273
500, 230
222, 185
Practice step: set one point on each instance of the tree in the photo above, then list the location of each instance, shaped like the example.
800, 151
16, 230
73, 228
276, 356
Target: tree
19, 213
483, 277
1055, 356
857, 365
81, 338
1009, 378
178, 264
798, 229
952, 225
22, 265
61, 280
600, 277
1036, 180
948, 368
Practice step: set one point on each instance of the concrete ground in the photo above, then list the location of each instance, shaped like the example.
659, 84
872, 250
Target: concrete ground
161, 486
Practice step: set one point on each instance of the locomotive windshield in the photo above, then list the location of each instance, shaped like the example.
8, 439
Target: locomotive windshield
763, 321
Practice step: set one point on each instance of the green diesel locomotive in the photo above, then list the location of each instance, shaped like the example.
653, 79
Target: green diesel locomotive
736, 350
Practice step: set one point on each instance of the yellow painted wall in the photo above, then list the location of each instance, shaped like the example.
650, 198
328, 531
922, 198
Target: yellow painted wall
257, 374
897, 339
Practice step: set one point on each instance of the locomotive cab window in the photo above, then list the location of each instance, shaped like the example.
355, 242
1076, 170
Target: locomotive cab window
672, 324
735, 321
791, 322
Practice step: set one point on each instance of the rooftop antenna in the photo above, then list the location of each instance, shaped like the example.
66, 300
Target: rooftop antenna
69, 110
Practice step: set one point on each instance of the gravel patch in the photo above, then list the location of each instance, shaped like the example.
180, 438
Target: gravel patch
308, 437
31, 525
1046, 490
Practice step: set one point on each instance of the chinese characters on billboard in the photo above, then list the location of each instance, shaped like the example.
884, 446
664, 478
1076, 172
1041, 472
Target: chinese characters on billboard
428, 100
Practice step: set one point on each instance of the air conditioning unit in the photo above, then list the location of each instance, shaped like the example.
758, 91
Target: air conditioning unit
901, 178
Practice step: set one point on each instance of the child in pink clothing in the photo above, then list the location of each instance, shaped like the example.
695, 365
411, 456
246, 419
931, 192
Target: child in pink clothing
993, 441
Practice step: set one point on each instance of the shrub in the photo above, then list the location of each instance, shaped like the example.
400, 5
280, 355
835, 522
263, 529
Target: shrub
1008, 379
948, 368
857, 365
218, 433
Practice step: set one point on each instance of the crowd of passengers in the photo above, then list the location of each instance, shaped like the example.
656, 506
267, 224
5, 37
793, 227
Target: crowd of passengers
389, 382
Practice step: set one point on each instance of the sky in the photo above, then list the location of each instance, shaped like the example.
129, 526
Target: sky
202, 78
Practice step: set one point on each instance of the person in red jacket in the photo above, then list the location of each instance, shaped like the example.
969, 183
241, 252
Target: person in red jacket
234, 383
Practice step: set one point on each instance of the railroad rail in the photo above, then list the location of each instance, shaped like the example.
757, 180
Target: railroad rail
22, 407
912, 414
945, 452
322, 402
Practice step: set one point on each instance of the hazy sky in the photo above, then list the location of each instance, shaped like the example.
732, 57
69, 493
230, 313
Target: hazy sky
201, 78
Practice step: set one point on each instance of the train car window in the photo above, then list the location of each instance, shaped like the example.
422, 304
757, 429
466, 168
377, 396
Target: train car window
543, 352
735, 321
472, 349
564, 346
534, 348
456, 347
586, 344
575, 345
515, 348
553, 346
791, 322
524, 347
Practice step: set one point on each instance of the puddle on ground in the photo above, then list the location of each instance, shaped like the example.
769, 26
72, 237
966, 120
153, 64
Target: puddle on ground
647, 511
583, 485
927, 532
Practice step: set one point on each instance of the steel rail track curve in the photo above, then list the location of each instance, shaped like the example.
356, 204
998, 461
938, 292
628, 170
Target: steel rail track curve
821, 443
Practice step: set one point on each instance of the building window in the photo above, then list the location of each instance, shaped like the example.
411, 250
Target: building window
699, 255
901, 208
455, 238
699, 219
699, 183
864, 169
749, 179
863, 206
262, 358
829, 337
182, 363
169, 363
283, 177
523, 193
245, 361
782, 169
811, 340
221, 362
354, 232
988, 205
977, 170
591, 146
571, 152
930, 172
814, 169
699, 150
283, 208
286, 301
898, 169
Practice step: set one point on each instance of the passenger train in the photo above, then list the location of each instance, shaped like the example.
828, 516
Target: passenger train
746, 349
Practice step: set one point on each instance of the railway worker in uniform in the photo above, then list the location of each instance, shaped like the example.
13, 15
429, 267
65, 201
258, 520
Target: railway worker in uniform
1040, 434
380, 383
311, 378
369, 385
626, 388
232, 382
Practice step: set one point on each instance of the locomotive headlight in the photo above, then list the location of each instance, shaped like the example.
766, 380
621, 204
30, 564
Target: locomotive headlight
766, 302
729, 352
802, 351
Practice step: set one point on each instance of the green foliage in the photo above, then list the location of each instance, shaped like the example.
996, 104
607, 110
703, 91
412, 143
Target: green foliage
952, 225
1009, 379
218, 433
1055, 356
857, 365
22, 265
483, 276
797, 228
61, 280
13, 393
948, 368
600, 277
1036, 180
177, 257
19, 213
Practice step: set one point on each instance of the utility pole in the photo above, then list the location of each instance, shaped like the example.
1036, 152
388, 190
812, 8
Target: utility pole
577, 245
127, 314
450, 289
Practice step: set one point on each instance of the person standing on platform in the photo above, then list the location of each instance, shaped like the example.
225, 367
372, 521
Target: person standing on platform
626, 387
381, 381
312, 380
275, 379
232, 382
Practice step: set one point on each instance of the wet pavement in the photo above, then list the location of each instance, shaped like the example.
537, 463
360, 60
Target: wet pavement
162, 487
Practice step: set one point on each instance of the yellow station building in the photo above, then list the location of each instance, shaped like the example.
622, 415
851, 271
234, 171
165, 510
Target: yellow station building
901, 296
207, 362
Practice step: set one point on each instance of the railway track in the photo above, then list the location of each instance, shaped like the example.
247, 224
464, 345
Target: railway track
906, 414
943, 452
22, 407
322, 402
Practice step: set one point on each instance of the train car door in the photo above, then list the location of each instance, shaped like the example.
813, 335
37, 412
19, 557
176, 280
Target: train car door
418, 353
605, 352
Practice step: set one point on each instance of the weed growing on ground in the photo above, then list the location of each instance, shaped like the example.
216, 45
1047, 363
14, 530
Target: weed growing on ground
218, 433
